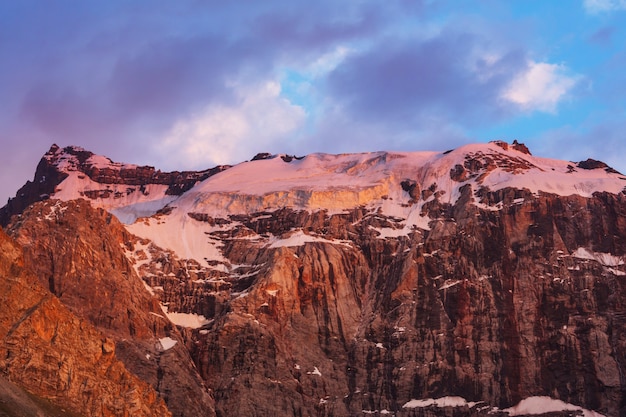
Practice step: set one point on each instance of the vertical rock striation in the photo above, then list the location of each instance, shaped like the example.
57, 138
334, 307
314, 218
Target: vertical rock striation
491, 306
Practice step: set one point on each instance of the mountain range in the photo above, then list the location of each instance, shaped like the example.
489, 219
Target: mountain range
478, 281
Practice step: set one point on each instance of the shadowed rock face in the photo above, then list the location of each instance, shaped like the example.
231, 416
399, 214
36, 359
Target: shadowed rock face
53, 354
492, 306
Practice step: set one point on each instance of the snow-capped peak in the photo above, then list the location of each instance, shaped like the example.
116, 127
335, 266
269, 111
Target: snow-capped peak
408, 186
326, 181
336, 182
75, 158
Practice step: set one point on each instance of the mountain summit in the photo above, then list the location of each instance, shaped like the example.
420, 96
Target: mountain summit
316, 181
478, 281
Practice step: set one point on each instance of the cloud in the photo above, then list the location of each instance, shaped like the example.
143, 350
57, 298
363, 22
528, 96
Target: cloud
541, 87
261, 121
599, 6
185, 84
408, 81
339, 131
602, 36
321, 25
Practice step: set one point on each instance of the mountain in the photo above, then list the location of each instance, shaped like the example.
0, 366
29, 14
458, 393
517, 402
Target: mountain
478, 281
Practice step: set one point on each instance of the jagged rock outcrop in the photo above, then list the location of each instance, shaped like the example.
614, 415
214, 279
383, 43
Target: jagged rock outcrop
53, 354
515, 145
594, 164
78, 252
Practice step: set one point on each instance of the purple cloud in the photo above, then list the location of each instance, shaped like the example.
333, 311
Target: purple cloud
410, 80
602, 36
118, 77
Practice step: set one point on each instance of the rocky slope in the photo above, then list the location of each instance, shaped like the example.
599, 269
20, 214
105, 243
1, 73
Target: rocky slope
79, 253
55, 355
478, 281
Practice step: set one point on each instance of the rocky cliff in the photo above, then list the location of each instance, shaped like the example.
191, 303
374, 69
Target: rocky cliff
479, 281
79, 253
55, 355
493, 307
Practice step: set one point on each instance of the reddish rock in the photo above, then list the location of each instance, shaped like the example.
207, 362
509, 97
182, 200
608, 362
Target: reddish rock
53, 354
79, 253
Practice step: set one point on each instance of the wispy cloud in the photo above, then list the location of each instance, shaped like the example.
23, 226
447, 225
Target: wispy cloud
599, 6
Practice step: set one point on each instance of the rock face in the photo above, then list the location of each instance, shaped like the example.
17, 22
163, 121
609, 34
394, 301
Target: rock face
54, 354
79, 253
489, 306
425, 289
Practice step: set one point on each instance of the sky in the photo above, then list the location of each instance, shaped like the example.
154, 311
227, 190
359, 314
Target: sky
190, 84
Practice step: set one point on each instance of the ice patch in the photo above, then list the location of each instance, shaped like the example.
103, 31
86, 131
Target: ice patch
130, 213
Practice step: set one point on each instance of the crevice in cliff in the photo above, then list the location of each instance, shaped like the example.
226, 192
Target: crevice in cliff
29, 312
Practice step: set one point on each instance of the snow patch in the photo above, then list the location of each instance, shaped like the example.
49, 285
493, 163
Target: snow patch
452, 401
127, 202
147, 287
541, 405
450, 283
166, 343
605, 259
55, 211
315, 371
187, 238
388, 232
190, 320
299, 238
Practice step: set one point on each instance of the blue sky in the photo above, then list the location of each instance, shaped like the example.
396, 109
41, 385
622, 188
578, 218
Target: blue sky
191, 84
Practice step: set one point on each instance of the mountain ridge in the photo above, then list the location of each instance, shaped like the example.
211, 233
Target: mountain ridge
131, 191
474, 281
